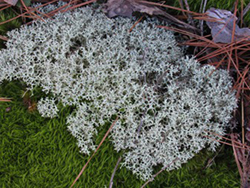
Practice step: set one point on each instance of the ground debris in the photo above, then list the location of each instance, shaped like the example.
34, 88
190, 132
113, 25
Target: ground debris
222, 29
10, 2
126, 8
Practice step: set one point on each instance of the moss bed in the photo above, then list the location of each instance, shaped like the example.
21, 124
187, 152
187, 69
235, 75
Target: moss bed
40, 152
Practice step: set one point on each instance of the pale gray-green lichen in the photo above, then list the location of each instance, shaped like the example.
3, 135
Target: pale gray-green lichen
47, 107
167, 104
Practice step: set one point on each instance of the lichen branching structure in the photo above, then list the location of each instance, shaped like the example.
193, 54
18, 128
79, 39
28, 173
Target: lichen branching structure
167, 105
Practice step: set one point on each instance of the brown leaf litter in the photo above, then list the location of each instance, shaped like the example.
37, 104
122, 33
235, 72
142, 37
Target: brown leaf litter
125, 8
222, 29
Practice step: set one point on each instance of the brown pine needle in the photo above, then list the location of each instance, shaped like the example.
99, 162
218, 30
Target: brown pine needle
152, 179
135, 23
217, 66
105, 136
171, 7
5, 99
113, 174
30, 12
244, 146
226, 143
242, 120
3, 38
79, 5
5, 6
235, 155
24, 14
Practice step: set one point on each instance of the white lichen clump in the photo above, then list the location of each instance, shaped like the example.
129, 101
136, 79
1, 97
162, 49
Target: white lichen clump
166, 104
47, 108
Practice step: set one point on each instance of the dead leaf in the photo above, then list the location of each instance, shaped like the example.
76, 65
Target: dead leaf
248, 136
118, 8
240, 154
222, 29
125, 8
11, 2
29, 103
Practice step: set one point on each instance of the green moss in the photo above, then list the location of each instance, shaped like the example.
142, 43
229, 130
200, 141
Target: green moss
40, 152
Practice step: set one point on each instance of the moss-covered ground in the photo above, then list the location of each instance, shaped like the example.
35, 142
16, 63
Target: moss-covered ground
37, 152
